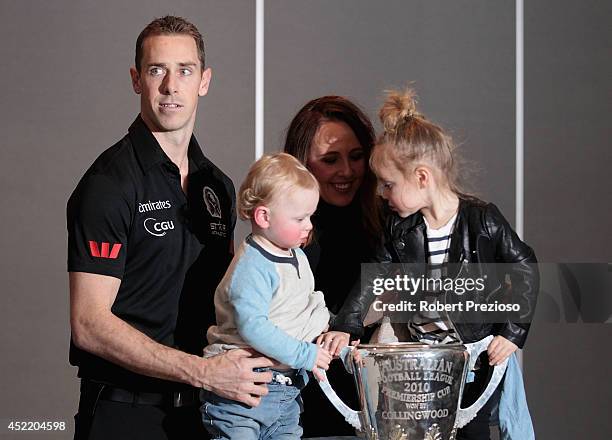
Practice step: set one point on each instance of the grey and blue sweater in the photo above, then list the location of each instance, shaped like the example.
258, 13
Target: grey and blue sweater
267, 302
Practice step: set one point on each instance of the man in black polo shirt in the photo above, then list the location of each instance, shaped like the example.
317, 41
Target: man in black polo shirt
150, 229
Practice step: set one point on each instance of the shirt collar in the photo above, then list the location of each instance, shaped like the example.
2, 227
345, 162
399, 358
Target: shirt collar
148, 151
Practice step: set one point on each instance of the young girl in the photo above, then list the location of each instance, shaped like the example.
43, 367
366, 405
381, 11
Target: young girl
435, 222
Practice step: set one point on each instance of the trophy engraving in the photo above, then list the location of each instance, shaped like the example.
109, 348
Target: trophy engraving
412, 390
397, 433
433, 433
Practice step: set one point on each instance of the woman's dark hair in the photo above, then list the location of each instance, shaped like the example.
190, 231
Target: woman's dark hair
302, 131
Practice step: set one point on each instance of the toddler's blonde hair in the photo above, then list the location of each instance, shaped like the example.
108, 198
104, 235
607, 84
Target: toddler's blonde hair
269, 176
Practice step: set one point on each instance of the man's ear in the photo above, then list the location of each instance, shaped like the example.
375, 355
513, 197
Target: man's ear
261, 217
205, 82
135, 80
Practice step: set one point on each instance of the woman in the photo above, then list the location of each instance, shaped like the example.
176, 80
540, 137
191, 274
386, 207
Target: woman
334, 138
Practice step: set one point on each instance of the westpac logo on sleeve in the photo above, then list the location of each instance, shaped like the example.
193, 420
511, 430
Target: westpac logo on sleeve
104, 250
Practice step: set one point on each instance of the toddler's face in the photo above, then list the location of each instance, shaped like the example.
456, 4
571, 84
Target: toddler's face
290, 214
401, 191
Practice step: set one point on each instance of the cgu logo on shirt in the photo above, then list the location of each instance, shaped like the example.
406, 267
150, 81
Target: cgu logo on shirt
158, 229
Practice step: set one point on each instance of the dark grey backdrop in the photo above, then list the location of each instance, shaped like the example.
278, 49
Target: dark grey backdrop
67, 96
568, 189
458, 55
70, 97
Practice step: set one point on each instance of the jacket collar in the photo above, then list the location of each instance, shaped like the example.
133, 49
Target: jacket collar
399, 226
407, 233
411, 231
460, 242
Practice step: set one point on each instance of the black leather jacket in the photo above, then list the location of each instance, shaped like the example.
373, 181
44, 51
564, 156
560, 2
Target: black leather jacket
481, 235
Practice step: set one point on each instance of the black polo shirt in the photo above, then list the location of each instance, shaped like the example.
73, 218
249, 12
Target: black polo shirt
129, 218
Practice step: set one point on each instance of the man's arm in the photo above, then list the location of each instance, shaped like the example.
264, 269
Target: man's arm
97, 330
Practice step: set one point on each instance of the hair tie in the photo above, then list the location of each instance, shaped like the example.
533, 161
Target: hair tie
412, 113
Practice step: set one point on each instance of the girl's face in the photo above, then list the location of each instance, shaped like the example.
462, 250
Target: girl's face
337, 160
402, 191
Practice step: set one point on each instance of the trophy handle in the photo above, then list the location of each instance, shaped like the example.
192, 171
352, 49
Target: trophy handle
465, 415
350, 415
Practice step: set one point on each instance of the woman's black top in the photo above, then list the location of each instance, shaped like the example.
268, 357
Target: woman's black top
338, 248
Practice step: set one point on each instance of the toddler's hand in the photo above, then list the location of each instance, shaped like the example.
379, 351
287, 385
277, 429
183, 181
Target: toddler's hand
500, 349
333, 341
322, 360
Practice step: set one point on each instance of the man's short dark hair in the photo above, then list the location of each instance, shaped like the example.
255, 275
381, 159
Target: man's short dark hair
170, 25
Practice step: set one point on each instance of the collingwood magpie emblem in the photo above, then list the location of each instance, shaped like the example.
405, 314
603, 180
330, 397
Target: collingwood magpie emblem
212, 202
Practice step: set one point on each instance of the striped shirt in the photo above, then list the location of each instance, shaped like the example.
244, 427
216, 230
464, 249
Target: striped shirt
438, 241
430, 327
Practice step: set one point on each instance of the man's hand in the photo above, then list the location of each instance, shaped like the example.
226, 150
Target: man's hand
231, 375
500, 349
322, 360
333, 342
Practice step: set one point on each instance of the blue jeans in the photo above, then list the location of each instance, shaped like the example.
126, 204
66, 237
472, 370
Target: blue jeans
276, 417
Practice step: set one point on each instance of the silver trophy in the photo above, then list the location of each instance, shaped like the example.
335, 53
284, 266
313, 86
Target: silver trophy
412, 390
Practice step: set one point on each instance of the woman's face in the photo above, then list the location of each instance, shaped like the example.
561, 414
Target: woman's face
337, 160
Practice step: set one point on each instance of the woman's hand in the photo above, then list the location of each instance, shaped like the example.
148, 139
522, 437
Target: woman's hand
334, 342
500, 349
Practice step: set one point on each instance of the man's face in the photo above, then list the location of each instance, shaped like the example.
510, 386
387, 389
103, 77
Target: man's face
169, 82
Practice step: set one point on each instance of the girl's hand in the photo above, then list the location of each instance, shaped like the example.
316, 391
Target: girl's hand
500, 349
333, 341
322, 360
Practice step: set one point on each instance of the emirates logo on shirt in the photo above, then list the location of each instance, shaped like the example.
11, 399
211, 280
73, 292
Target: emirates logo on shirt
104, 250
